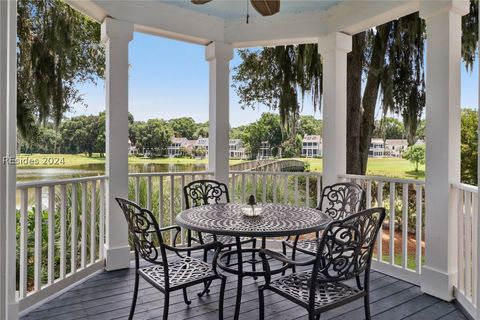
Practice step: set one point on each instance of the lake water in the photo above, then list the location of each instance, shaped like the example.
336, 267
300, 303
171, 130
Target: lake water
97, 169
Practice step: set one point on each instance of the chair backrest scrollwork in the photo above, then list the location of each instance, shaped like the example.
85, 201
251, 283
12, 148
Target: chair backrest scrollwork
203, 192
342, 199
144, 232
346, 246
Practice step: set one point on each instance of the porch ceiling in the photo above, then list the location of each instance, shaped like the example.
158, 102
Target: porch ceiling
299, 21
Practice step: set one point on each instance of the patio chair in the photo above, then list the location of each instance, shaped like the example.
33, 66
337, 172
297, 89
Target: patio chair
338, 201
203, 192
344, 252
163, 273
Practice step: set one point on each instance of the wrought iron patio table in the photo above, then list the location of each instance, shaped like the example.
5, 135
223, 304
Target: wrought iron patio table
275, 220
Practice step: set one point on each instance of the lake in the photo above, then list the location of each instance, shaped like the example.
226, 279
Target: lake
97, 169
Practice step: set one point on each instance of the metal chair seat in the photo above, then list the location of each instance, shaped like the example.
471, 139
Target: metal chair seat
296, 287
181, 271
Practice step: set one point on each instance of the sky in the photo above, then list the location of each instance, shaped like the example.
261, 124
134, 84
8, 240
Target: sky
169, 79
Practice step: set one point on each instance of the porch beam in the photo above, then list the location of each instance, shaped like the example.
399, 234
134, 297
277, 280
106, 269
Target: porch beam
116, 36
443, 84
333, 50
218, 55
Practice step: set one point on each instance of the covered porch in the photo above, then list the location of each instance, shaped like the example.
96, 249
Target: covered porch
428, 249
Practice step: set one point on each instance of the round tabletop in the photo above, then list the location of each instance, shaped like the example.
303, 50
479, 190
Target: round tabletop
275, 220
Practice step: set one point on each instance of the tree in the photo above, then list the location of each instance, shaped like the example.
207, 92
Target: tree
386, 62
154, 135
267, 128
309, 126
58, 47
201, 130
389, 128
183, 127
469, 146
83, 134
416, 155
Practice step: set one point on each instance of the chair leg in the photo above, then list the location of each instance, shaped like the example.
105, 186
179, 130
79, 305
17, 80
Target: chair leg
318, 316
293, 258
166, 304
367, 306
135, 294
284, 251
189, 241
359, 283
185, 297
205, 255
228, 259
254, 244
205, 289
311, 316
261, 302
221, 298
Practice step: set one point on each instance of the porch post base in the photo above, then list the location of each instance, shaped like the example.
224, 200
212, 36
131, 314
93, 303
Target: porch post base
437, 283
117, 258
13, 310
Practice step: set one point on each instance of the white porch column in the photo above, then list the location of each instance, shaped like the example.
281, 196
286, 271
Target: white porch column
443, 21
334, 48
218, 56
116, 35
8, 144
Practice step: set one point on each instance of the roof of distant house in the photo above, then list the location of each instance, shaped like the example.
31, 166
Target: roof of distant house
312, 138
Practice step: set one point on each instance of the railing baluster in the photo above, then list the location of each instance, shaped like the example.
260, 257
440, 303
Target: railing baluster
93, 212
405, 225
391, 242
274, 188
149, 193
264, 188
38, 239
73, 230
418, 224
380, 231
182, 205
172, 205
83, 254
63, 230
296, 190
51, 235
254, 185
285, 190
234, 189
242, 199
319, 189
160, 202
307, 192
23, 242
101, 234
369, 194
137, 189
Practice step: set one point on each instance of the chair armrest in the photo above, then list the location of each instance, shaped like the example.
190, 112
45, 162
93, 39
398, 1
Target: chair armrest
206, 246
170, 228
280, 257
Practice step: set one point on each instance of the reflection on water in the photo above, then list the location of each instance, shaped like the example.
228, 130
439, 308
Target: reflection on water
96, 169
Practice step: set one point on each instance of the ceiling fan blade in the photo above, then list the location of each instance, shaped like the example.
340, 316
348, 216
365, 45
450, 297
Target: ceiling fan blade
266, 7
200, 1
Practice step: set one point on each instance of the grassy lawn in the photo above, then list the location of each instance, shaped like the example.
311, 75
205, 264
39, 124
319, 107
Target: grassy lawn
389, 167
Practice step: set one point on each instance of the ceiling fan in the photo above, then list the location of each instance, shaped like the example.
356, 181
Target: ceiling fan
264, 7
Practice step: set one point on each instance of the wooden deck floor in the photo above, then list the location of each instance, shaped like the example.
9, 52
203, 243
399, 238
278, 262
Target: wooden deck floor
108, 296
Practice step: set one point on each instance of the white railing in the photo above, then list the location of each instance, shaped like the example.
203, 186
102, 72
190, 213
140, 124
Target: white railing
467, 218
400, 247
60, 234
63, 242
162, 193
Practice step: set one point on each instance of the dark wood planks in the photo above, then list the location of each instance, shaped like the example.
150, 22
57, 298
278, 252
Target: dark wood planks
108, 296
